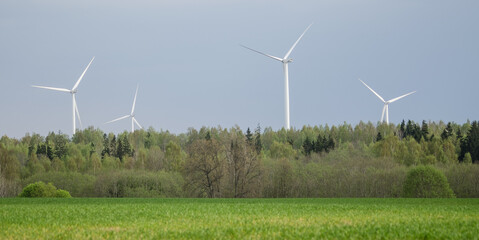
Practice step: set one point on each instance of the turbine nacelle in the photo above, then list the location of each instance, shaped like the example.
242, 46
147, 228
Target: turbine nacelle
285, 60
72, 91
386, 103
131, 115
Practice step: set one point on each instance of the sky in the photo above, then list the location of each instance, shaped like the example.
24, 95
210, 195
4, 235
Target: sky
192, 72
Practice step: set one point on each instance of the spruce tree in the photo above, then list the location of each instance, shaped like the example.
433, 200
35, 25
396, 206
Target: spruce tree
447, 131
402, 130
258, 144
106, 146
379, 137
249, 137
208, 136
308, 146
331, 144
424, 130
471, 143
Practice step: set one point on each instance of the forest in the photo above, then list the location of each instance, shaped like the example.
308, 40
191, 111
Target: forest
365, 160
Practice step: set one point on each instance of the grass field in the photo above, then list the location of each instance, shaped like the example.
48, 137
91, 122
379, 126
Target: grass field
239, 218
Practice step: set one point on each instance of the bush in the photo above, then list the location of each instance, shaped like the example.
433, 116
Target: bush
40, 189
62, 194
77, 184
132, 183
426, 182
463, 179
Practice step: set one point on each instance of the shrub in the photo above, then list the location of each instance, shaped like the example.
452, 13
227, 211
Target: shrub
132, 183
426, 182
77, 184
40, 189
62, 194
463, 179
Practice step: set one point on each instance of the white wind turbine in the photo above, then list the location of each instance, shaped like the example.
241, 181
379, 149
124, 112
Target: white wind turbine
73, 91
131, 115
285, 60
386, 103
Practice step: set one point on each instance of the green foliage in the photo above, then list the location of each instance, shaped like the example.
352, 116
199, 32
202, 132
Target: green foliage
139, 184
174, 157
282, 150
239, 218
38, 189
463, 179
426, 182
79, 185
59, 193
471, 143
467, 158
314, 161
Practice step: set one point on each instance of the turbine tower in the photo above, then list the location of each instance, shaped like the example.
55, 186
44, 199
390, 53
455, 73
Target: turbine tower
73, 91
131, 115
285, 60
386, 103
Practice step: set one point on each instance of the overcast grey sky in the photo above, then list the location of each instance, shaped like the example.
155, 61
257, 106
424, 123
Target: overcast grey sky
185, 55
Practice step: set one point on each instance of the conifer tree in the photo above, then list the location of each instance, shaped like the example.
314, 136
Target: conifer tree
308, 146
471, 143
447, 131
249, 137
106, 146
424, 130
379, 137
402, 130
258, 144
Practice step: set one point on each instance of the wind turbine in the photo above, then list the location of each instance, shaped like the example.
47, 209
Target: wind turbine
131, 115
285, 60
386, 103
73, 91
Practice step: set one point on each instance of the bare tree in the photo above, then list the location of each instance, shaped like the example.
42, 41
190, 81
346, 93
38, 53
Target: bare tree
243, 167
204, 167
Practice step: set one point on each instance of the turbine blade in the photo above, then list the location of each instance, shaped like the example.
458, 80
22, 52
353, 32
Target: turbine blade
52, 88
120, 118
134, 100
372, 91
78, 113
267, 55
395, 99
79, 80
137, 123
294, 45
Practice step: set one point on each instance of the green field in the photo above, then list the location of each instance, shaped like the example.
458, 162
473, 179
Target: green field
239, 218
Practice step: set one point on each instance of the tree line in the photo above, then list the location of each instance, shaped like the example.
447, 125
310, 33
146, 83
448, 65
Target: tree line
367, 160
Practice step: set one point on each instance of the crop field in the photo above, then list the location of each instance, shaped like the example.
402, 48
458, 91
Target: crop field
239, 218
